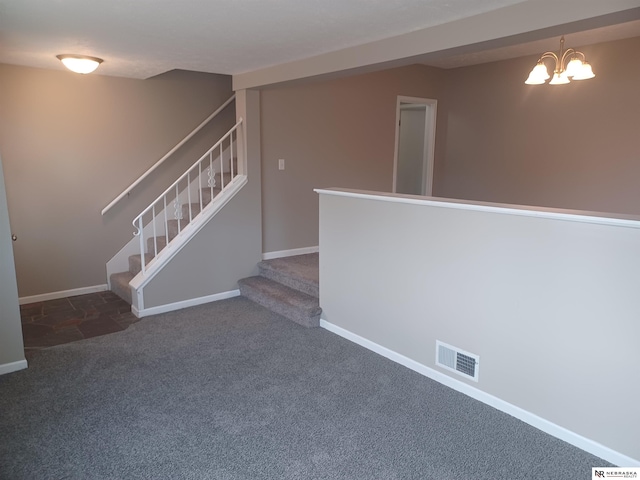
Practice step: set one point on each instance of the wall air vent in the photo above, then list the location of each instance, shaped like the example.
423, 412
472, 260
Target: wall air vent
457, 360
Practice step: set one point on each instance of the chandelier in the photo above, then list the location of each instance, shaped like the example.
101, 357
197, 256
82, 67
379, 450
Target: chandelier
569, 63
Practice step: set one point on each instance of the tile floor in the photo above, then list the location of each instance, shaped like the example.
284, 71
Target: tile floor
54, 322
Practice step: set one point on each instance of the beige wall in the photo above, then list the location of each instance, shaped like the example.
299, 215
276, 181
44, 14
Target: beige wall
72, 143
337, 133
571, 146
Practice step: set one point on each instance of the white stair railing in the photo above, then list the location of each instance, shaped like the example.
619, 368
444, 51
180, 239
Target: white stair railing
186, 199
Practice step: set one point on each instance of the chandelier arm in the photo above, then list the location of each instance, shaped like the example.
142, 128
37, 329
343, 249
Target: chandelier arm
573, 53
553, 56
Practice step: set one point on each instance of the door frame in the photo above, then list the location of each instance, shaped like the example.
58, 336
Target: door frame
429, 140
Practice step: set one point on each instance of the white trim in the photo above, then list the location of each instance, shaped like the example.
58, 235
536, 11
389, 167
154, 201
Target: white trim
13, 367
613, 219
290, 253
540, 423
63, 294
170, 307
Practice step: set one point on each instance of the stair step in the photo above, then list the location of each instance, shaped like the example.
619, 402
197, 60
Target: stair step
195, 209
135, 263
172, 229
299, 272
206, 193
120, 285
161, 243
172, 226
293, 304
227, 177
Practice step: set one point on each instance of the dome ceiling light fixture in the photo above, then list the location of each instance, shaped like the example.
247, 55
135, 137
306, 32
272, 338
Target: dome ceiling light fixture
569, 63
79, 63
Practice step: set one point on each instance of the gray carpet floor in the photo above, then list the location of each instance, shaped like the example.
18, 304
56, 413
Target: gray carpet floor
231, 391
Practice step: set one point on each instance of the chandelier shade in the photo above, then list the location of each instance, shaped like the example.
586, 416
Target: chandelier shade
559, 79
585, 72
538, 75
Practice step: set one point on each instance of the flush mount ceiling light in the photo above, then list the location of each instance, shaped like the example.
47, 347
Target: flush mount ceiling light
569, 63
79, 63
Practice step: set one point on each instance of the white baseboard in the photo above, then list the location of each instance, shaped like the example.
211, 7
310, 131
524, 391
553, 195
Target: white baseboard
289, 253
13, 366
540, 423
170, 307
63, 294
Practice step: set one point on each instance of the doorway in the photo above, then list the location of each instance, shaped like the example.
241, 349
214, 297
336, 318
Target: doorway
415, 145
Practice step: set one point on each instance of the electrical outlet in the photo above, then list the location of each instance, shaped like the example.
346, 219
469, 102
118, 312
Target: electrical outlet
281, 164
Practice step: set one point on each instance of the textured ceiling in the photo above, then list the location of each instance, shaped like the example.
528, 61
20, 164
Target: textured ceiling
574, 39
143, 38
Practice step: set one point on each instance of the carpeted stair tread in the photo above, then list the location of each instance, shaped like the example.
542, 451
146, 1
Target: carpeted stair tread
293, 304
195, 209
160, 241
172, 226
206, 193
135, 263
172, 229
120, 285
299, 272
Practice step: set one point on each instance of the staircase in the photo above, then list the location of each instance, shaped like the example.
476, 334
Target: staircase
120, 281
287, 286
168, 224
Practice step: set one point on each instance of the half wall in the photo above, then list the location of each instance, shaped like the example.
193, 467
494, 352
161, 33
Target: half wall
547, 298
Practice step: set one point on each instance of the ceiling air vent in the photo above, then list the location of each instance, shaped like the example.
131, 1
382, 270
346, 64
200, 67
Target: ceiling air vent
457, 360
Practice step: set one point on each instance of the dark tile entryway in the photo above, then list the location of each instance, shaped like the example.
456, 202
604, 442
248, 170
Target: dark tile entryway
54, 322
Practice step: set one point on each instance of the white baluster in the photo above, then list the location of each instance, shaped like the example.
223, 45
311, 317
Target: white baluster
140, 234
155, 238
166, 221
189, 194
231, 152
221, 167
200, 183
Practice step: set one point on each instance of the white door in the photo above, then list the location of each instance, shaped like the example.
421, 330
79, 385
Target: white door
415, 142
11, 344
